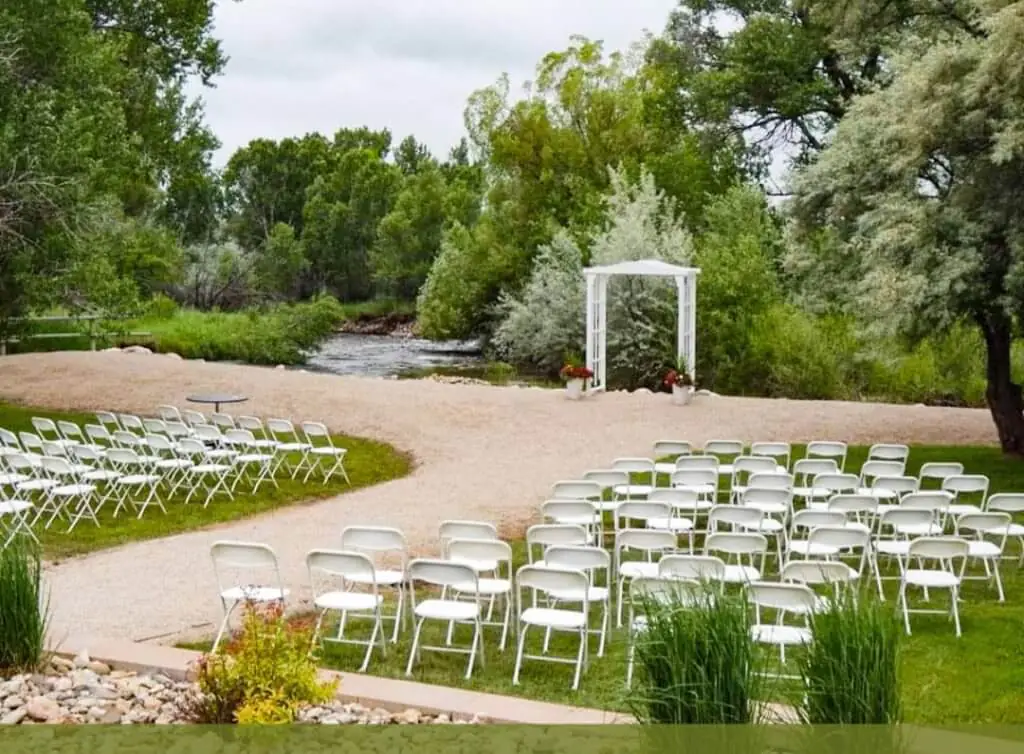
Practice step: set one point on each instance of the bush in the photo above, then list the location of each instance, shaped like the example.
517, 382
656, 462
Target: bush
23, 607
851, 669
696, 664
266, 675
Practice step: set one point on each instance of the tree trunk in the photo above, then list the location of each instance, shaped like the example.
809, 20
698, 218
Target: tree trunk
1002, 394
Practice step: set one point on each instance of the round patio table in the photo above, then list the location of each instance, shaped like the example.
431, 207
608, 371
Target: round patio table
216, 399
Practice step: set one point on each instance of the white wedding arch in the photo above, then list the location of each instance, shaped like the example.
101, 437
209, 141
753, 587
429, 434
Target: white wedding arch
597, 310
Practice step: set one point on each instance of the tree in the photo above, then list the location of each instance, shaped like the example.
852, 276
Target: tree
280, 263
411, 156
922, 184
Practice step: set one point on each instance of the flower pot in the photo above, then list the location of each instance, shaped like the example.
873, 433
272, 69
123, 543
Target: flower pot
574, 389
682, 394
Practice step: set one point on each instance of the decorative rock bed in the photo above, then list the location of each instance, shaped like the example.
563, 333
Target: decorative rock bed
85, 691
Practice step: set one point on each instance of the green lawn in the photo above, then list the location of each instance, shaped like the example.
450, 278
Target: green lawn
978, 678
367, 462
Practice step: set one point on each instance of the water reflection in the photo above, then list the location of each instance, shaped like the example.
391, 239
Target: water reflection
385, 355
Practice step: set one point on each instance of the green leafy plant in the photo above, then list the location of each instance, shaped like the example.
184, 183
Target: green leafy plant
265, 675
696, 663
851, 669
24, 608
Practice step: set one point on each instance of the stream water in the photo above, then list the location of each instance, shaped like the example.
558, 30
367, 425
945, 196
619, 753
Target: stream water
387, 355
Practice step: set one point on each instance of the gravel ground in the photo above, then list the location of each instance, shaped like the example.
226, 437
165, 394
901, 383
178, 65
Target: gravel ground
482, 453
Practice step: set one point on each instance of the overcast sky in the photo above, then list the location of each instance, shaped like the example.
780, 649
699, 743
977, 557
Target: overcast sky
298, 66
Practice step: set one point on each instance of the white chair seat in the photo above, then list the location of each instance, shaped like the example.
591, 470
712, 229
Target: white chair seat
638, 569
921, 530
293, 447
9, 480
211, 468
254, 593
347, 601
223, 453
633, 490
879, 493
264, 444
737, 574
101, 475
664, 468
805, 547
254, 458
725, 469
676, 523
384, 577
787, 635
594, 594
326, 450
174, 463
892, 547
699, 489
549, 616
480, 566
136, 479
10, 507
858, 526
769, 525
578, 520
447, 610
37, 485
769, 509
962, 509
980, 549
608, 506
801, 492
485, 587
921, 577
1015, 530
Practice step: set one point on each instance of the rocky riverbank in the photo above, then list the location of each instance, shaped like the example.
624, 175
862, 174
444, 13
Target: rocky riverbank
84, 691
397, 325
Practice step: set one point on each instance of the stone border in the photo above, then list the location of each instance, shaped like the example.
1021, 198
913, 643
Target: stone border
369, 691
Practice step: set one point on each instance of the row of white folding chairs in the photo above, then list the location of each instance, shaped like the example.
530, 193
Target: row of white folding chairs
782, 452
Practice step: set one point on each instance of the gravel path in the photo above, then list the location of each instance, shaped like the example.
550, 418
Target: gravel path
482, 453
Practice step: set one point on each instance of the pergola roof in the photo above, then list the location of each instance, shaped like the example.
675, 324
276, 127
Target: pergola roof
650, 267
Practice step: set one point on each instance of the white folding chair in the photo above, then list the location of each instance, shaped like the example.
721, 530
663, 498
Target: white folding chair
451, 530
283, 432
255, 425
803, 523
46, 429
250, 464
650, 591
596, 563
193, 418
642, 467
548, 582
804, 472
89, 463
327, 566
737, 545
498, 586
667, 452
610, 481
1012, 503
888, 490
827, 450
708, 569
154, 426
942, 553
781, 452
222, 421
872, 470
168, 413
861, 511
725, 451
455, 576
322, 451
134, 478
980, 529
131, 423
381, 542
69, 495
739, 518
99, 435
969, 491
934, 473
71, 433
579, 512
108, 421
784, 598
546, 535
833, 543
647, 542
206, 474
167, 462
888, 452
744, 467
896, 529
684, 510
233, 559
775, 504
701, 482
828, 573
577, 490
825, 486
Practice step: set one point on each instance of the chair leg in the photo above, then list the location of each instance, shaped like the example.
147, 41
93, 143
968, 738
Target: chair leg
316, 629
399, 614
584, 639
477, 643
604, 628
954, 595
999, 580
223, 626
902, 602
630, 653
370, 644
507, 599
415, 646
519, 655
618, 603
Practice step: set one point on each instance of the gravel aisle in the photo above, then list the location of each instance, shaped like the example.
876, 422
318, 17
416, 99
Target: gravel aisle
482, 453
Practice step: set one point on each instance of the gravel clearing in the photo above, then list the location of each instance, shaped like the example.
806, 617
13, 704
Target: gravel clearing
482, 452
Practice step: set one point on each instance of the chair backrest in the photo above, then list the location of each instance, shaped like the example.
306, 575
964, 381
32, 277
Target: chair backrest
177, 429
19, 462
734, 515
207, 432
577, 510
898, 484
131, 423
53, 449
744, 466
792, 597
581, 557
239, 436
191, 447
816, 572
160, 444
723, 448
695, 477
450, 530
235, 554
282, 428
642, 510
634, 465
878, 468
345, 563
45, 427
1010, 502
647, 540
56, 466
645, 590
98, 434
806, 469
888, 452
607, 478
107, 419
154, 426
942, 549
192, 418
9, 439
70, 430
840, 536
31, 441
168, 413
125, 439
697, 463
967, 484
548, 580
836, 483
224, 421
940, 470
481, 550
811, 519
316, 431
766, 496
85, 454
828, 449
995, 523
378, 539
123, 457
684, 501
443, 573
697, 567
251, 423
576, 490
932, 500
672, 449
773, 480
781, 452
736, 544
896, 518
546, 535
854, 505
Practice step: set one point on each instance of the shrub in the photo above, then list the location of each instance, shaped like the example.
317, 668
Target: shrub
266, 675
851, 669
696, 663
24, 609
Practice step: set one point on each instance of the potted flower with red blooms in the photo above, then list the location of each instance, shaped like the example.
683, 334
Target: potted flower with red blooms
576, 376
680, 380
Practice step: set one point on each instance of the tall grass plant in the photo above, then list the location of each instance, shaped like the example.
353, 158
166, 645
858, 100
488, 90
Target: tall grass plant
24, 607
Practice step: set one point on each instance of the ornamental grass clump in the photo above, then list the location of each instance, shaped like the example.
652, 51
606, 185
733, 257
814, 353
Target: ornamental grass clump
696, 663
267, 674
24, 608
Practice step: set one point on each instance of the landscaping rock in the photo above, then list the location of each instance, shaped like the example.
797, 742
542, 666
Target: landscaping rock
81, 660
43, 709
99, 668
136, 349
172, 355
14, 716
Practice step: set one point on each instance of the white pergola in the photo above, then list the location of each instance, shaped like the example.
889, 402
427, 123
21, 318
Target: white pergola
597, 310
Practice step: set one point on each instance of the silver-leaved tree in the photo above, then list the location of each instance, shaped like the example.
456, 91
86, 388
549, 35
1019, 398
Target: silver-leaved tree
923, 183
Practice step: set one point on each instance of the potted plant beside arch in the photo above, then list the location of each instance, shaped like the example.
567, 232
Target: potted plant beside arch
576, 376
680, 380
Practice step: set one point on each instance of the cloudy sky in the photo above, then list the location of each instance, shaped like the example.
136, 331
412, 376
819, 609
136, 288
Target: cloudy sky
298, 66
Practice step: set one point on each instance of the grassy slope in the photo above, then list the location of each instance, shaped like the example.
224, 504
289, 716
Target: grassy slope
367, 462
978, 678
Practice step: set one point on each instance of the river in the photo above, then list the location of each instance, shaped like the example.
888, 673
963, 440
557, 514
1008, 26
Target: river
387, 355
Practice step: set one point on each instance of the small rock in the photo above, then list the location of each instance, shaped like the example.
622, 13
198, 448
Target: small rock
136, 349
13, 686
164, 720
110, 717
63, 684
14, 716
82, 659
84, 678
102, 692
410, 717
441, 719
99, 668
279, 366
152, 703
13, 702
172, 355
44, 710
61, 663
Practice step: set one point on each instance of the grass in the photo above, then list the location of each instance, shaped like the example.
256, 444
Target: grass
23, 607
978, 678
368, 462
